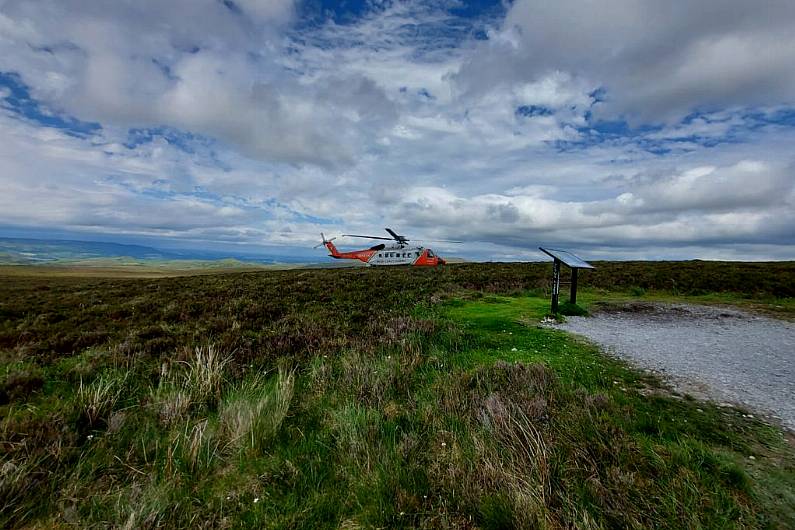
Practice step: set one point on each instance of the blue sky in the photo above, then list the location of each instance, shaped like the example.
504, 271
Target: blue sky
620, 129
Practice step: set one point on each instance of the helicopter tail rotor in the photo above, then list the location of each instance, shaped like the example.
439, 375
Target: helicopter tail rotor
324, 241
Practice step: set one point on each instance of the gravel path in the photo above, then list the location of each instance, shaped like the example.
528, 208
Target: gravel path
712, 352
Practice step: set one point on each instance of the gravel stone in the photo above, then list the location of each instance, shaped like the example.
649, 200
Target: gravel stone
708, 352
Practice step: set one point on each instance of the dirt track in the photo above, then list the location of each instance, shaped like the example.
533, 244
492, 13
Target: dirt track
719, 353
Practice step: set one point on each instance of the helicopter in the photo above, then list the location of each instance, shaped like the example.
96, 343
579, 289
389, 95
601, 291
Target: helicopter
399, 252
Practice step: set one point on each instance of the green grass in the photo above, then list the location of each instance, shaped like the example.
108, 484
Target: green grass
361, 398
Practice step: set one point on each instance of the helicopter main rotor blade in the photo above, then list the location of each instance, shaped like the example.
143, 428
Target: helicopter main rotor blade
368, 237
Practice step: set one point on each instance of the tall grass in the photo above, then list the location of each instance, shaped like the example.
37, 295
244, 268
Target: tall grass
205, 373
517, 462
97, 400
357, 430
16, 480
199, 384
172, 401
252, 413
148, 506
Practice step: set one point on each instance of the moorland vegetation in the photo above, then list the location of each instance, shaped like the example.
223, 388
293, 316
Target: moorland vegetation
369, 398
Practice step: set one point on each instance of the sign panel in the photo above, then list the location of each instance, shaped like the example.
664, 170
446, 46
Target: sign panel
567, 258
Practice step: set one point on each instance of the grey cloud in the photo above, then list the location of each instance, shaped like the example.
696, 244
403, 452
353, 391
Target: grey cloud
503, 213
658, 60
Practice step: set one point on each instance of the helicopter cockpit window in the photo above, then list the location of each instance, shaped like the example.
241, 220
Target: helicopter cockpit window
430, 253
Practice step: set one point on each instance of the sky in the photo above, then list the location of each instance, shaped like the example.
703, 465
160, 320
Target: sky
619, 129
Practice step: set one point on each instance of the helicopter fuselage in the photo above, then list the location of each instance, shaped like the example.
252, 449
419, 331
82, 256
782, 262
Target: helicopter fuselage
394, 254
405, 255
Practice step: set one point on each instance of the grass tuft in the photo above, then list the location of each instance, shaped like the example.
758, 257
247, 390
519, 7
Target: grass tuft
252, 413
172, 402
148, 507
196, 446
97, 400
205, 374
16, 481
572, 310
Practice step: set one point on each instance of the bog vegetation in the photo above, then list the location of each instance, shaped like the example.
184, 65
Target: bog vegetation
367, 398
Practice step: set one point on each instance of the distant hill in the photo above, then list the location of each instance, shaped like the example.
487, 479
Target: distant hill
32, 251
18, 251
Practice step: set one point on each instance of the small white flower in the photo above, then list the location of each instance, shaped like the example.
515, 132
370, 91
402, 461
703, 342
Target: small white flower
256, 500
752, 457
513, 349
90, 437
444, 444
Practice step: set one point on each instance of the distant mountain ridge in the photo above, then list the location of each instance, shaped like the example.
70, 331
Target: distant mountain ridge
50, 250
23, 251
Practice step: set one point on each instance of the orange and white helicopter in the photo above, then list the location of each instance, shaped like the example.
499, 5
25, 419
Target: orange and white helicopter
397, 253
